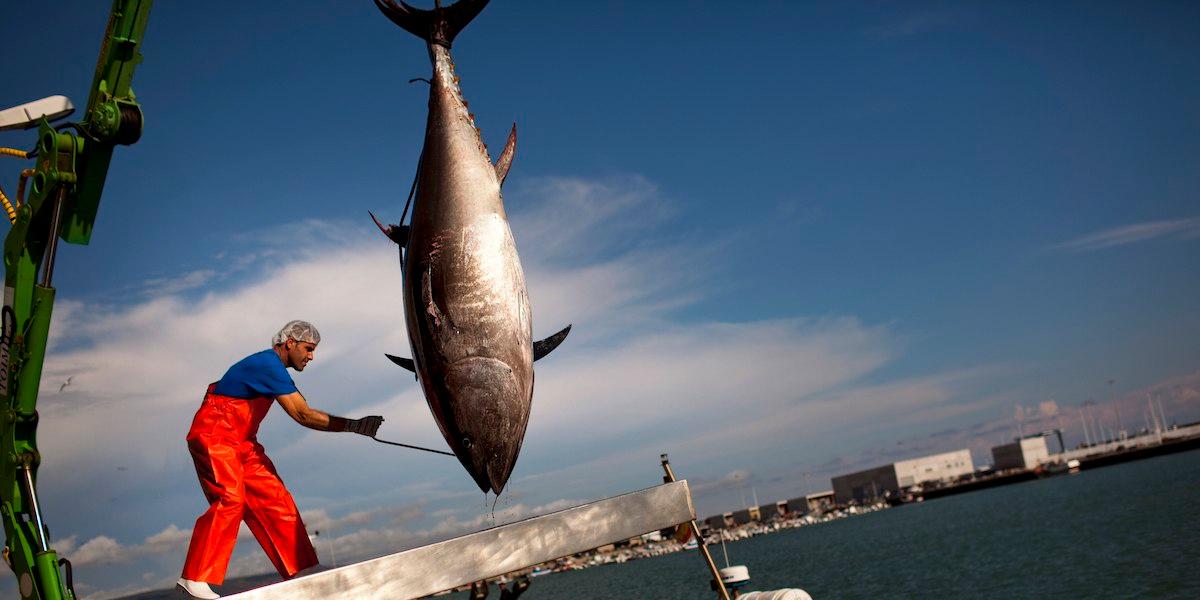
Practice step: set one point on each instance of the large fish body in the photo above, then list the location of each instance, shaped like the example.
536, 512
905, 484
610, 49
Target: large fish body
466, 306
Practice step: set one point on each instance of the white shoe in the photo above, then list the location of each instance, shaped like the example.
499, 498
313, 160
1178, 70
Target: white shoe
195, 589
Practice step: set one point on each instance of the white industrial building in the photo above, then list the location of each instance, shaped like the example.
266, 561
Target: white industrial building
876, 482
1025, 453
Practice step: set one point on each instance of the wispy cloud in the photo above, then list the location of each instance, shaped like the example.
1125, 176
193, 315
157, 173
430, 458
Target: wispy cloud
736, 480
1008, 417
563, 218
166, 286
1179, 229
633, 380
922, 399
912, 25
104, 550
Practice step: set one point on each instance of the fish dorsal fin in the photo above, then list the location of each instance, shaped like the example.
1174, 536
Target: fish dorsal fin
406, 363
437, 26
506, 157
543, 347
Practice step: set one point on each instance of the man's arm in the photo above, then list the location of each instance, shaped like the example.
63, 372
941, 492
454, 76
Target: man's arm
297, 408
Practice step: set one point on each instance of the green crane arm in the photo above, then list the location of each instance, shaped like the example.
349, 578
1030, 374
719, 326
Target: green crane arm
64, 197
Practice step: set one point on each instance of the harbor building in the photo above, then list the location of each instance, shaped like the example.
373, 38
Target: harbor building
891, 478
1024, 453
744, 516
803, 505
797, 506
818, 502
772, 511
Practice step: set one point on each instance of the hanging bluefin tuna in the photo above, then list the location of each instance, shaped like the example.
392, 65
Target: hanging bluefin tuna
467, 311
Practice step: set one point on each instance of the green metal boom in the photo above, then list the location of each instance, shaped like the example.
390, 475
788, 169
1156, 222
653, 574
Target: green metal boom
64, 197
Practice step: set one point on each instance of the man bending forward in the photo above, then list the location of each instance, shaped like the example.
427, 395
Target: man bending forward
237, 477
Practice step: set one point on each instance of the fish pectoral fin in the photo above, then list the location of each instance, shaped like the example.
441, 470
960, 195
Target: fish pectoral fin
406, 363
543, 347
506, 157
396, 233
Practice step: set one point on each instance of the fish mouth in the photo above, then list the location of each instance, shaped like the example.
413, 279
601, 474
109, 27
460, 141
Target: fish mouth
491, 413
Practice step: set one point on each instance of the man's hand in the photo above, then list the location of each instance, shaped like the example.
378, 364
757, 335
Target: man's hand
365, 426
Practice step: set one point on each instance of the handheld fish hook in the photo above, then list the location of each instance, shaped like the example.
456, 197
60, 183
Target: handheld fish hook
412, 447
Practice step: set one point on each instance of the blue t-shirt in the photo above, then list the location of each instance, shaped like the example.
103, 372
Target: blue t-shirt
257, 375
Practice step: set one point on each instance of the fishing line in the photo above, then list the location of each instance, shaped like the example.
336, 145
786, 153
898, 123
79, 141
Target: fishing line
412, 447
412, 190
416, 176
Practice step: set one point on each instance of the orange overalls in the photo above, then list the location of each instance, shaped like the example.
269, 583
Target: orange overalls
241, 484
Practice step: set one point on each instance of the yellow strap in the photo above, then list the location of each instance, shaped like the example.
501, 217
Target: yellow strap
8, 207
14, 152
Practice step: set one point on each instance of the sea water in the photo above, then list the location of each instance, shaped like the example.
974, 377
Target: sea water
1126, 531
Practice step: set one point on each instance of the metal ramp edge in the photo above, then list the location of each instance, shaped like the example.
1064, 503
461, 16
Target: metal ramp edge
426, 570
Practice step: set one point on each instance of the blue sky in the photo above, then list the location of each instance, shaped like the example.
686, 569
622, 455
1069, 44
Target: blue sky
794, 239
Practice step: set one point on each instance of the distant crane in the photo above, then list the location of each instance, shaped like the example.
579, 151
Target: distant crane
1117, 407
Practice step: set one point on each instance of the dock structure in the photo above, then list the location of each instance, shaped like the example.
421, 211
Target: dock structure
893, 477
1027, 458
1159, 440
492, 552
1023, 453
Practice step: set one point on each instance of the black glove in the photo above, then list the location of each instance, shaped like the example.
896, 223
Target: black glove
365, 426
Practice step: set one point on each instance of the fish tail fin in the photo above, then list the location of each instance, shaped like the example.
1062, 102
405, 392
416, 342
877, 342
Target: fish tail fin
437, 26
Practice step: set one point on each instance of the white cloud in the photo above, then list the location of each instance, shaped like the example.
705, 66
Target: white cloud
566, 217
99, 550
1128, 234
368, 542
689, 375
736, 479
165, 286
66, 545
319, 519
1047, 408
632, 380
105, 550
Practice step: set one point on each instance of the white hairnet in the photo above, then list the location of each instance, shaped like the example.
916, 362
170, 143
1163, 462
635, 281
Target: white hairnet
301, 331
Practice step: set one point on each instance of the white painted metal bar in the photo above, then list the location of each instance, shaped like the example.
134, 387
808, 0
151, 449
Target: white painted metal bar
26, 116
429, 569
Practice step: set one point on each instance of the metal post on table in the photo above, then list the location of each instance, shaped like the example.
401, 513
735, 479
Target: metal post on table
712, 566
